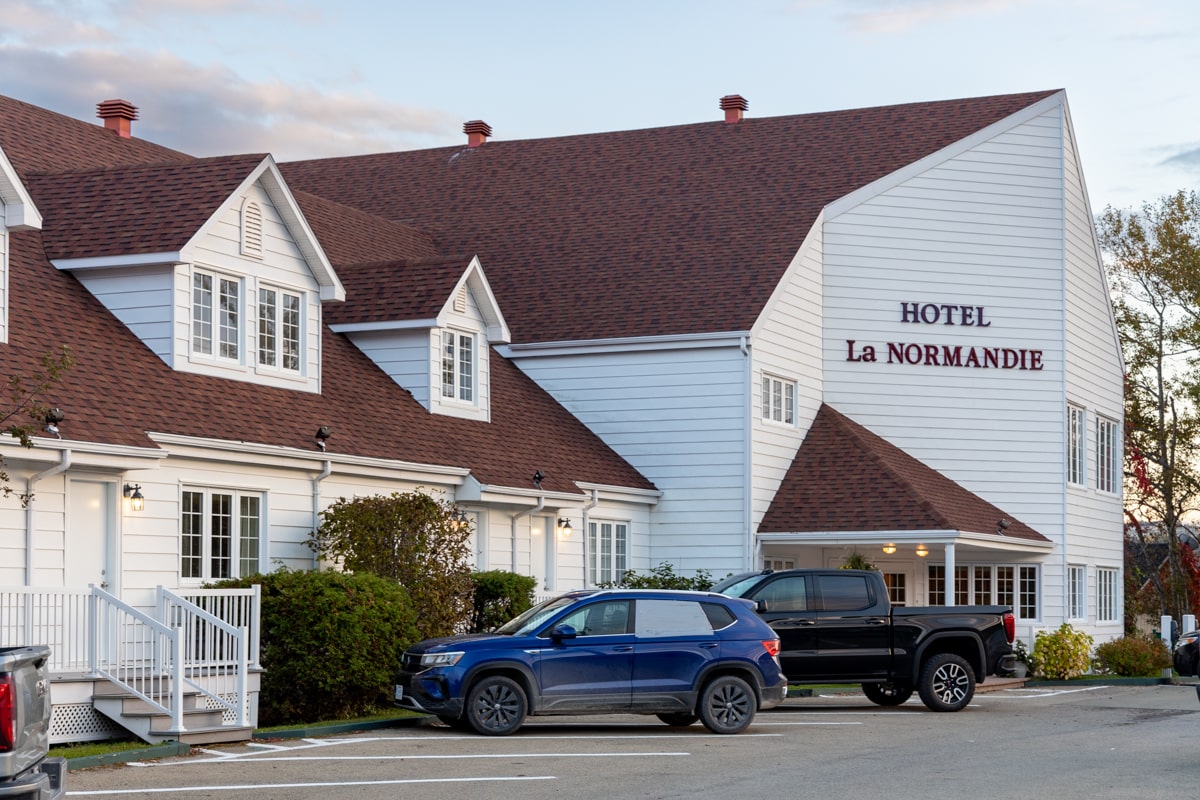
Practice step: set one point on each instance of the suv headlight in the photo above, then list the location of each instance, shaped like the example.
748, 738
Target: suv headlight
441, 659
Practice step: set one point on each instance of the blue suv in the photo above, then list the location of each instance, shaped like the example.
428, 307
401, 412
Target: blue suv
683, 656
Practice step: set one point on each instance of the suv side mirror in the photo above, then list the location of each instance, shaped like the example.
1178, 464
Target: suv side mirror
561, 632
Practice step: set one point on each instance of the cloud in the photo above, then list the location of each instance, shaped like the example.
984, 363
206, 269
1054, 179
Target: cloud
899, 16
210, 110
1187, 158
42, 24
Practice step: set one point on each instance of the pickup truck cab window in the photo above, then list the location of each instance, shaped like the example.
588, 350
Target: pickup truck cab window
844, 592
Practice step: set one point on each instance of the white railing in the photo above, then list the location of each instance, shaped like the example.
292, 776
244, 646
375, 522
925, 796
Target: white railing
138, 654
204, 641
241, 608
214, 658
55, 617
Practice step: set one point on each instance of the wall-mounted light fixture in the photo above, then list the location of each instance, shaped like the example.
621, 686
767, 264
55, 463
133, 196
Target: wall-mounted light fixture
136, 501
459, 519
538, 477
1001, 526
564, 527
922, 550
54, 417
323, 433
889, 548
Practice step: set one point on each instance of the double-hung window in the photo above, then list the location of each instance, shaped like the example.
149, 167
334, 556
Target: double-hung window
1108, 455
279, 329
1076, 447
458, 366
1106, 594
216, 315
608, 551
778, 400
1076, 592
220, 534
987, 584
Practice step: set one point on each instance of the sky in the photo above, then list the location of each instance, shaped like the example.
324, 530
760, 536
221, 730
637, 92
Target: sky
311, 78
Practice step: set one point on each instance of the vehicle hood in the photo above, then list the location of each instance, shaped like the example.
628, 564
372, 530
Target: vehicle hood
468, 640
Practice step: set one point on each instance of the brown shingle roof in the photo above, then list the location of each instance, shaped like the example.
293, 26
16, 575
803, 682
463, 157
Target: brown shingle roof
396, 290
130, 210
846, 478
682, 229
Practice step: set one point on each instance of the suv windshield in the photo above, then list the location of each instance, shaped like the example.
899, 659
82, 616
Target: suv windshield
529, 621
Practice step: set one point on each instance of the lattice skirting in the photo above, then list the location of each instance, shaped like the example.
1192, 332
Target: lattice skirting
79, 722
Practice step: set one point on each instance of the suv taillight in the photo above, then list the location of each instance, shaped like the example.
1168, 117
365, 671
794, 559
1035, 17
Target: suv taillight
8, 715
772, 646
1010, 626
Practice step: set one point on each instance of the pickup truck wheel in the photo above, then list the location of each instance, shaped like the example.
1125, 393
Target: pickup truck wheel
947, 683
887, 694
496, 706
727, 704
678, 720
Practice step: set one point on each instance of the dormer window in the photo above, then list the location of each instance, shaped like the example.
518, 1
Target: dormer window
279, 315
458, 366
220, 335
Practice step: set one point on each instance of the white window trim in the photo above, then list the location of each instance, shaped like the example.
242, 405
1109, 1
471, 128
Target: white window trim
1108, 455
1077, 592
948, 584
1076, 454
1107, 598
778, 406
206, 540
598, 571
277, 350
216, 324
464, 373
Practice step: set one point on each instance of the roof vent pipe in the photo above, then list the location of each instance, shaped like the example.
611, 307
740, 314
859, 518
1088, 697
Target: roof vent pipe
477, 132
118, 116
734, 105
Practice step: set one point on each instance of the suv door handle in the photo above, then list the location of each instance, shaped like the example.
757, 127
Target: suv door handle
710, 645
622, 648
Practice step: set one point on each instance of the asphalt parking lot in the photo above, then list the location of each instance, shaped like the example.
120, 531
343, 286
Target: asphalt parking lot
1053, 742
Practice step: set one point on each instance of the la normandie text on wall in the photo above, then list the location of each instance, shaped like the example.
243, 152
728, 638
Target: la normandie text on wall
946, 355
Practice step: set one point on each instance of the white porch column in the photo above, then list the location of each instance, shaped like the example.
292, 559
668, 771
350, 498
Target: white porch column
950, 574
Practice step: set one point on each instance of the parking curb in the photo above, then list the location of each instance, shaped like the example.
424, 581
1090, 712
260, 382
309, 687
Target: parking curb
164, 750
348, 727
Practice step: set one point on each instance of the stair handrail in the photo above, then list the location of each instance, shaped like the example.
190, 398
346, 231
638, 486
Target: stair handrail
114, 657
166, 602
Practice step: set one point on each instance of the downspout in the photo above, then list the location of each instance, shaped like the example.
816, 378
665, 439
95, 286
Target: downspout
595, 502
752, 546
541, 503
63, 465
326, 469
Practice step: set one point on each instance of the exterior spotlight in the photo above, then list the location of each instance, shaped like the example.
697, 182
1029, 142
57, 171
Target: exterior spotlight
564, 527
53, 417
538, 477
1001, 526
136, 501
889, 548
922, 550
323, 433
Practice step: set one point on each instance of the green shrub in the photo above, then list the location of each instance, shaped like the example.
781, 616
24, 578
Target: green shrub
1133, 657
663, 577
410, 537
499, 596
331, 643
1065, 653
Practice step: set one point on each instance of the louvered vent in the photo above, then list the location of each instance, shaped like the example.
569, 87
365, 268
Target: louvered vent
460, 301
252, 230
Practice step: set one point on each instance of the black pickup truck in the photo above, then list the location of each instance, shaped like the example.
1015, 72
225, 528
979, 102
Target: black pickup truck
837, 626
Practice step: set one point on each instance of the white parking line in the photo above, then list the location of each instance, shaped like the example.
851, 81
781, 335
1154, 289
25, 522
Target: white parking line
1034, 694
264, 786
257, 757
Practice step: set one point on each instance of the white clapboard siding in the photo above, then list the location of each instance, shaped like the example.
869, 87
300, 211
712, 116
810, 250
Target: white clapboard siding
140, 297
982, 228
786, 344
3, 274
403, 355
678, 415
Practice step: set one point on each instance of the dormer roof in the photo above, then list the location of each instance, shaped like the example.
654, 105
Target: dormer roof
19, 210
154, 213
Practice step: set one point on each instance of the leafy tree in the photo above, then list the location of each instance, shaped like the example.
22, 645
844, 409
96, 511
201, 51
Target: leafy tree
412, 538
499, 596
24, 409
1154, 274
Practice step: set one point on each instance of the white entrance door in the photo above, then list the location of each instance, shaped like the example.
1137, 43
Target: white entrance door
542, 555
91, 520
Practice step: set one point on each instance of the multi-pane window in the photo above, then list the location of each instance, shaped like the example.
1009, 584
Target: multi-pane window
987, 584
216, 315
1108, 455
778, 563
278, 329
1076, 592
778, 400
897, 587
221, 534
608, 551
1076, 447
458, 366
1106, 594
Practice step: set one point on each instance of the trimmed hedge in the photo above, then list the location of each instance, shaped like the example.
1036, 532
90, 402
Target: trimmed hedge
499, 596
1133, 657
331, 643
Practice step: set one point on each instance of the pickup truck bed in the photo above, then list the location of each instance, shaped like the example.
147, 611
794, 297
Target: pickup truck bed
837, 626
25, 771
